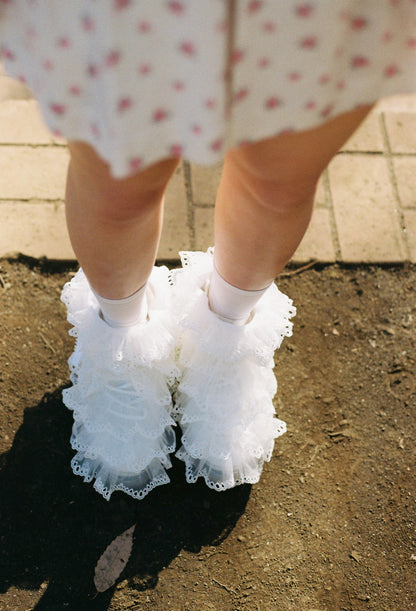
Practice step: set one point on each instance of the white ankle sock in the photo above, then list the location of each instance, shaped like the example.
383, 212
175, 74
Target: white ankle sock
229, 303
124, 312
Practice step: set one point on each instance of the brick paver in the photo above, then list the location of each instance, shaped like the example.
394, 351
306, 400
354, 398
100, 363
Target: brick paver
365, 204
176, 231
11, 89
365, 208
204, 228
205, 180
410, 222
32, 172
401, 131
21, 123
368, 137
317, 243
405, 176
34, 228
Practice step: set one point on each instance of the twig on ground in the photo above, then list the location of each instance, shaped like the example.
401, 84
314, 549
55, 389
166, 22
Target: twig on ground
51, 348
299, 270
229, 590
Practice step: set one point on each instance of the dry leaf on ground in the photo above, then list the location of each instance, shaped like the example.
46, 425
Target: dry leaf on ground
113, 560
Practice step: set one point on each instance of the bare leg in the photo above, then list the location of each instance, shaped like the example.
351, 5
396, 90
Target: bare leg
265, 200
120, 396
114, 225
263, 207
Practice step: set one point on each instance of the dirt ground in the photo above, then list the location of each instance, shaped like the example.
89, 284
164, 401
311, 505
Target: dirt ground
330, 526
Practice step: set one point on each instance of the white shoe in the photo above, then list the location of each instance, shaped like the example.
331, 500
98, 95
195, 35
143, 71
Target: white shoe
226, 383
120, 396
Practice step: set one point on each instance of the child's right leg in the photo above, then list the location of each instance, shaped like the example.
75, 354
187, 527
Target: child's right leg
114, 225
120, 395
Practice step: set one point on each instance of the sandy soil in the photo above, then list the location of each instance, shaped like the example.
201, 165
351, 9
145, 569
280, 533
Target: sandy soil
330, 526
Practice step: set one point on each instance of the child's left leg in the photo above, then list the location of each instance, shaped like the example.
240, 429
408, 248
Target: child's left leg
265, 199
224, 400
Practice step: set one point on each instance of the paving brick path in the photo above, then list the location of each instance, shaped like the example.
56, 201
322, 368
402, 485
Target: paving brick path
365, 204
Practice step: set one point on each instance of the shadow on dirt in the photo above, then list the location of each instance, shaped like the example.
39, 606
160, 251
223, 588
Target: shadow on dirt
53, 527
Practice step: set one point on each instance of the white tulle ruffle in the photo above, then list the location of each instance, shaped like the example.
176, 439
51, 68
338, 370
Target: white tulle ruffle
120, 397
224, 397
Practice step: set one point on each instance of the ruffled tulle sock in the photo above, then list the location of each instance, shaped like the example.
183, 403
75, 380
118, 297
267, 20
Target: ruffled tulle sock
230, 303
224, 398
124, 312
120, 394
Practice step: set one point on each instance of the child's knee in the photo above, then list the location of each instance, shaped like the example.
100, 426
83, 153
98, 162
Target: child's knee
90, 182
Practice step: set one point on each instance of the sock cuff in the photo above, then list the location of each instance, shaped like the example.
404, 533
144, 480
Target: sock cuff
124, 312
235, 289
229, 302
124, 300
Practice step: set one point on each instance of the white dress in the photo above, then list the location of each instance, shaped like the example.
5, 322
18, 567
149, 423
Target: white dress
143, 80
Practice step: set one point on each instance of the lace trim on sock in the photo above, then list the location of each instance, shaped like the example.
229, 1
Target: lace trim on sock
224, 398
120, 395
